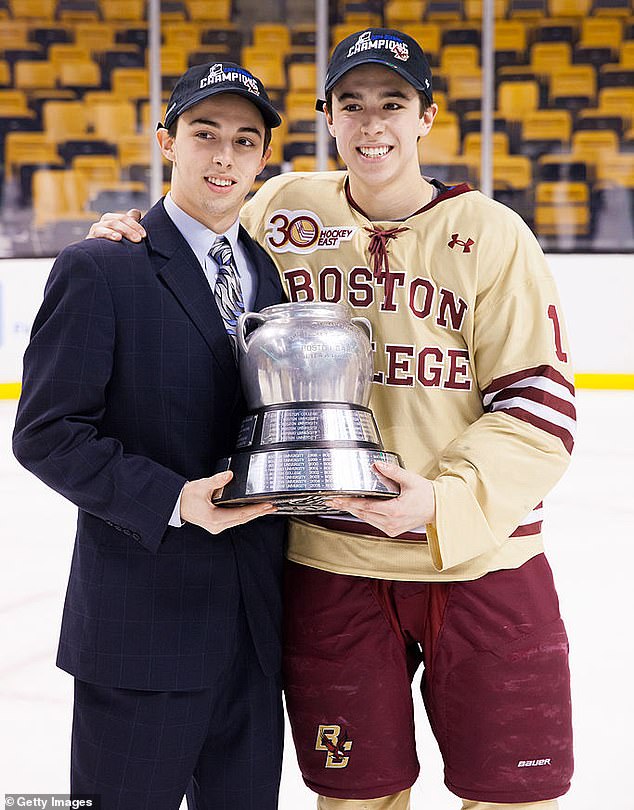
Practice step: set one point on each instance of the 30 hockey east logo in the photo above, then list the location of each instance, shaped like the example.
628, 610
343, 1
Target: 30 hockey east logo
303, 232
337, 746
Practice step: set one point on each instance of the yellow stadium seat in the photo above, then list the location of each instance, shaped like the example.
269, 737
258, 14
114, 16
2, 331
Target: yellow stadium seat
362, 19
578, 81
80, 75
173, 60
276, 37
601, 32
562, 208
5, 73
35, 75
93, 172
78, 13
444, 10
33, 9
64, 120
616, 169
302, 77
590, 144
459, 59
255, 53
269, 70
13, 102
473, 9
94, 36
428, 36
512, 172
109, 120
65, 53
533, 11
308, 163
613, 9
401, 12
547, 125
472, 144
28, 148
300, 106
442, 142
134, 150
569, 8
14, 34
617, 101
123, 10
209, 10
465, 89
517, 99
548, 57
340, 31
626, 58
56, 195
183, 35
130, 83
510, 35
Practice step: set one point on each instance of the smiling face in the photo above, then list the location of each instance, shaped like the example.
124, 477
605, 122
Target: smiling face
216, 154
376, 120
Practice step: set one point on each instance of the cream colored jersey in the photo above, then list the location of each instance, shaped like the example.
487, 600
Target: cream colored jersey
473, 385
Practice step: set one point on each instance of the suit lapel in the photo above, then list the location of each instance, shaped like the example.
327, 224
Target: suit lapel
176, 264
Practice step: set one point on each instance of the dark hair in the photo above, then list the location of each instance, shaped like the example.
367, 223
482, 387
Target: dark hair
424, 102
267, 134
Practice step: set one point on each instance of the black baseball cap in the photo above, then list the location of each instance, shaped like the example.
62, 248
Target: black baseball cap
382, 46
202, 81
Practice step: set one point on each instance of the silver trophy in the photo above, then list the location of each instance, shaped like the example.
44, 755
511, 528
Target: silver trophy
306, 373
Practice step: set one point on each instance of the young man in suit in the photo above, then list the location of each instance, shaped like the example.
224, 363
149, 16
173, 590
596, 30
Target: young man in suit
131, 393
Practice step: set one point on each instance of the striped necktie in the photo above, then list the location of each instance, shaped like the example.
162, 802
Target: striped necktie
228, 292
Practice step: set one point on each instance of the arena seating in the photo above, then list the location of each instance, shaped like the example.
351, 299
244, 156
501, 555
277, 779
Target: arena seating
75, 126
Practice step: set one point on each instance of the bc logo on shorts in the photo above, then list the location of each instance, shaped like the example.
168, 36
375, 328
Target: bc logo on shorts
329, 739
303, 232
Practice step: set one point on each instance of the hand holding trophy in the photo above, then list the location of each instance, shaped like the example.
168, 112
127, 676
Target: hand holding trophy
306, 373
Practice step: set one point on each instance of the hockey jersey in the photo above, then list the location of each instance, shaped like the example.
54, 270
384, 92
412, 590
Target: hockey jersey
473, 385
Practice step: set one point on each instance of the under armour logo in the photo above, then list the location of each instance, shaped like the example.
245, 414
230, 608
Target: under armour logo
466, 246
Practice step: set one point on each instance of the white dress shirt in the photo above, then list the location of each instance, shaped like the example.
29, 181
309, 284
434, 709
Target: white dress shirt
200, 239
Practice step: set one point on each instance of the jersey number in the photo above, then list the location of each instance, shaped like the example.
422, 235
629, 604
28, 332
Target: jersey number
554, 317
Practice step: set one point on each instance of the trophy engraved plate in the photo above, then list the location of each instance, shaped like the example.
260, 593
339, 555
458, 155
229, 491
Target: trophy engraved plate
318, 424
306, 372
247, 431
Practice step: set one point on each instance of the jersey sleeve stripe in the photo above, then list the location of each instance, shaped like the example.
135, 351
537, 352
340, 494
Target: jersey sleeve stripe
540, 396
352, 525
528, 376
528, 529
537, 393
547, 425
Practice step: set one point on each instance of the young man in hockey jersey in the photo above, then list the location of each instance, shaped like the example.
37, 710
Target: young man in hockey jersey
474, 388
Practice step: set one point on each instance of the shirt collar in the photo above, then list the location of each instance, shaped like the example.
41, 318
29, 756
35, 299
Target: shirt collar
199, 237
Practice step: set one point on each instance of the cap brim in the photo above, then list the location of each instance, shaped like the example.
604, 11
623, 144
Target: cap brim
364, 60
269, 114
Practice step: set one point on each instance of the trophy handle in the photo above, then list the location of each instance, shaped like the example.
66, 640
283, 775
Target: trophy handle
240, 331
365, 323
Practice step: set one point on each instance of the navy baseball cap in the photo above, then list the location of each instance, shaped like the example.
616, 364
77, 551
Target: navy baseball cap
382, 46
202, 81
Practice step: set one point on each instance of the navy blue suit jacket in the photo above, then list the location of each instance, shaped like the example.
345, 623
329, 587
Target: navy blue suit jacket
129, 390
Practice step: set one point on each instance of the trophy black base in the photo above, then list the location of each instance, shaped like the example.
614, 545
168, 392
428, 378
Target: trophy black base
301, 480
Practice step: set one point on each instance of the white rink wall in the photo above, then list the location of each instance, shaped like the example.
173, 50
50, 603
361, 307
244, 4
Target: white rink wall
596, 290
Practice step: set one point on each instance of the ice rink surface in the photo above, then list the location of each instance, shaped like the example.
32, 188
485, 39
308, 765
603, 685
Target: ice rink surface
589, 530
